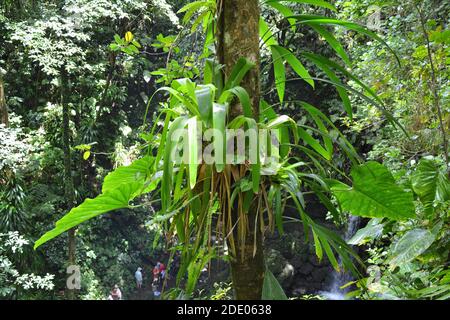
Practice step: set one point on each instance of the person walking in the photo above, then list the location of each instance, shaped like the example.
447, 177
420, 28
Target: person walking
138, 276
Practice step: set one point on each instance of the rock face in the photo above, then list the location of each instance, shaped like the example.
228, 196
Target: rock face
294, 262
298, 273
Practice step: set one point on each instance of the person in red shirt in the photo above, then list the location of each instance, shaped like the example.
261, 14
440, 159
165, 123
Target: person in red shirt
156, 272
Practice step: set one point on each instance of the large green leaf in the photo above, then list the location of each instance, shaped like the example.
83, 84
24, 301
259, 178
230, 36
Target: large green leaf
114, 199
271, 288
374, 194
373, 230
410, 246
139, 170
430, 184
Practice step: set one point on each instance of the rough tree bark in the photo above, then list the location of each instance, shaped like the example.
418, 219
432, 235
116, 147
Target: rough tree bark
4, 118
69, 191
238, 37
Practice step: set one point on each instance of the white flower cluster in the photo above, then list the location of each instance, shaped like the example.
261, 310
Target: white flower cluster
15, 149
10, 244
14, 241
32, 281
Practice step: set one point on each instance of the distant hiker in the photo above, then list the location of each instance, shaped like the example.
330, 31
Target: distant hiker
138, 276
162, 270
156, 273
115, 294
155, 288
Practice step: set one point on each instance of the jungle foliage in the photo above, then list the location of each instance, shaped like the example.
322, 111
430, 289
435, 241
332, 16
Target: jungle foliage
357, 90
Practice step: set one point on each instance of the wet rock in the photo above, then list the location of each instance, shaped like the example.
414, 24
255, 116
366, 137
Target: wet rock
297, 261
286, 276
299, 291
314, 260
275, 261
320, 274
306, 268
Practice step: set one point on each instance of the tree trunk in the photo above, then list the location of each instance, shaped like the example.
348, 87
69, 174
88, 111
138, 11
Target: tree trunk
238, 37
4, 118
69, 192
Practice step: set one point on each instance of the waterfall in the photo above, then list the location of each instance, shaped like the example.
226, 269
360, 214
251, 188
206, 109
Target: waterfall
339, 279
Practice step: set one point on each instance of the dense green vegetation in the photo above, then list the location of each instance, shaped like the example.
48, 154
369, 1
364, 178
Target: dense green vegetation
94, 92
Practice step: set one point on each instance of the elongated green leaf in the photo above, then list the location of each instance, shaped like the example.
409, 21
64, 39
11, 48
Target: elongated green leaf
284, 122
213, 74
193, 6
238, 73
339, 87
374, 194
279, 72
280, 120
285, 11
317, 116
319, 3
113, 199
410, 246
305, 136
243, 97
271, 288
330, 254
193, 151
278, 210
296, 65
320, 60
266, 34
268, 113
321, 20
333, 42
205, 96
318, 246
178, 97
219, 123
167, 181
